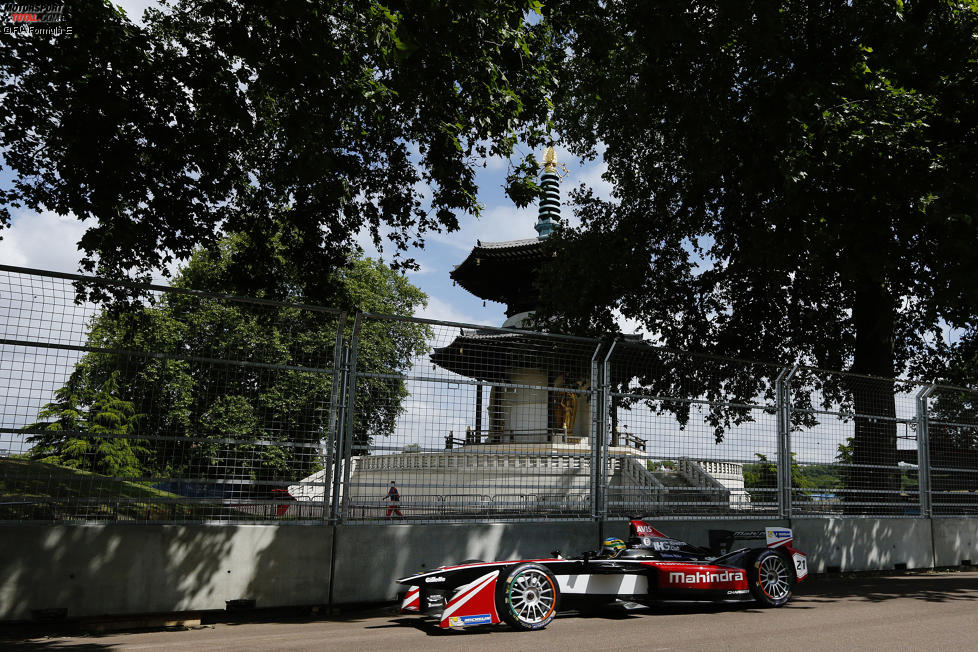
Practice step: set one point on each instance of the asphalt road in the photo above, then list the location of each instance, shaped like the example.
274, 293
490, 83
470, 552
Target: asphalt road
934, 611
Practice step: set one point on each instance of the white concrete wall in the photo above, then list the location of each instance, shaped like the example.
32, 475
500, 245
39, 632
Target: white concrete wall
955, 540
525, 409
116, 569
119, 569
864, 543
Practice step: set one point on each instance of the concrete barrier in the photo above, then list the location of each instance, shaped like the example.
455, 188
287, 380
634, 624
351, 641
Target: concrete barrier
955, 541
839, 544
93, 570
370, 557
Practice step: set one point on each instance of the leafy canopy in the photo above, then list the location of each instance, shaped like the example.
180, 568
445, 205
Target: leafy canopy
224, 116
791, 182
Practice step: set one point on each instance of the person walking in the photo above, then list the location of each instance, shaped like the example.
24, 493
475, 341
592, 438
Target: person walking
395, 505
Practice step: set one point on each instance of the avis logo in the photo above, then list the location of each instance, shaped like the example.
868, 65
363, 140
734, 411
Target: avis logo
704, 577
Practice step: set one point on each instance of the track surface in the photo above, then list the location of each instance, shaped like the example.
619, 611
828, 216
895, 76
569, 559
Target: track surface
934, 611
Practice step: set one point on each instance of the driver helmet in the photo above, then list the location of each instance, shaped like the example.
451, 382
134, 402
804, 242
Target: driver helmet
612, 547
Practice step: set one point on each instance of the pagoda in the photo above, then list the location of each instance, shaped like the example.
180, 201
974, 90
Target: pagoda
527, 448
533, 410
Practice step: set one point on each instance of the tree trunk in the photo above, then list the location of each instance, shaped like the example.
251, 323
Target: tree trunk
875, 476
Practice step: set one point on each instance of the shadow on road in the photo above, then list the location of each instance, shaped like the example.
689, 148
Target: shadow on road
930, 587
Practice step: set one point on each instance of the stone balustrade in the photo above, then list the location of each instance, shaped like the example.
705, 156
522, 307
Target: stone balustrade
465, 461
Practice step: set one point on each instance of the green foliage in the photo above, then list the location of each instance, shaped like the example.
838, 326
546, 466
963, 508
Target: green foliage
795, 183
791, 183
223, 116
219, 382
660, 465
805, 478
38, 490
763, 475
90, 428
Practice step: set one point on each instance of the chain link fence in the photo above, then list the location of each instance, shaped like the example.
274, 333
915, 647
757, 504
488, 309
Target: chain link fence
198, 407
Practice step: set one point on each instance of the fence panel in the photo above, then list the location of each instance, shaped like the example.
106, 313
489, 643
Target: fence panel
854, 445
690, 435
952, 430
193, 407
197, 407
483, 423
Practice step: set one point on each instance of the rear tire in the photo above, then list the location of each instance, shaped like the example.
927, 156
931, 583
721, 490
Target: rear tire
770, 579
527, 598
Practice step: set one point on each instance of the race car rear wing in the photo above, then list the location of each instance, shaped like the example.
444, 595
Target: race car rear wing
723, 542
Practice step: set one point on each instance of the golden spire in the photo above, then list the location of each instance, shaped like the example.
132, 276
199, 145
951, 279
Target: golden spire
550, 160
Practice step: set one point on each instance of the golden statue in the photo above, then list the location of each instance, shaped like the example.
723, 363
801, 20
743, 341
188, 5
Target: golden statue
550, 162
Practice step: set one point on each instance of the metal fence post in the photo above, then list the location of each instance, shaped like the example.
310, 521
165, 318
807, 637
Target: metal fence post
594, 435
604, 456
923, 450
332, 425
338, 460
351, 397
782, 391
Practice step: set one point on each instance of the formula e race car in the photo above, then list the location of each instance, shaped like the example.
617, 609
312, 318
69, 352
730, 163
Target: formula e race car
653, 567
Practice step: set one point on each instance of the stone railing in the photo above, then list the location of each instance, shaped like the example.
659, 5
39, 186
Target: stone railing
463, 461
730, 471
635, 474
698, 476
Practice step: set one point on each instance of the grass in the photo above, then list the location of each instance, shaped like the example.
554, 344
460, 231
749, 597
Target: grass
32, 491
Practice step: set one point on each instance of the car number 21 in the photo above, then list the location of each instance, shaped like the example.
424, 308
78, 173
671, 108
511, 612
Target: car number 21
801, 566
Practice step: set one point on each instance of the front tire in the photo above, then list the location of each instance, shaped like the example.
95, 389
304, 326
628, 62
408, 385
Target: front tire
770, 579
527, 599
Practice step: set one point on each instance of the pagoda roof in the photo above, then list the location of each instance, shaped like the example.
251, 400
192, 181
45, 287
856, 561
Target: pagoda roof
502, 271
491, 355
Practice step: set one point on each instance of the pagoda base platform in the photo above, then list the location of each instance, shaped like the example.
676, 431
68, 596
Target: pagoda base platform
527, 479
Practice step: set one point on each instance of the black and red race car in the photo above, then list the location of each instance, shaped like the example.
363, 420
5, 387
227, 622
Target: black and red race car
653, 567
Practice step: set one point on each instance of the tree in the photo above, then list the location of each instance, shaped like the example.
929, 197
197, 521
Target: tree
762, 476
233, 389
222, 116
792, 182
91, 429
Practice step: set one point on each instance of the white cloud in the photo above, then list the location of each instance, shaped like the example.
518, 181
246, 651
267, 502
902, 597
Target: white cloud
495, 164
443, 311
42, 241
628, 325
497, 223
